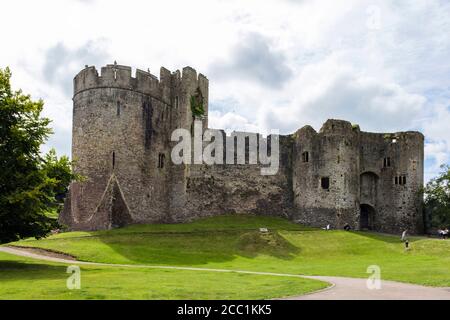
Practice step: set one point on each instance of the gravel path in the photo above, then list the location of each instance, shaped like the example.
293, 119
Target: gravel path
340, 289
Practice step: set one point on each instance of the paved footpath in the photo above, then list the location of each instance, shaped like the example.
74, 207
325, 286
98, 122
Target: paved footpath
341, 288
356, 289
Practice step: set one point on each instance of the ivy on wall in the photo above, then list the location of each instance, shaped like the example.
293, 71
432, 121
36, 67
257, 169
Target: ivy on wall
197, 104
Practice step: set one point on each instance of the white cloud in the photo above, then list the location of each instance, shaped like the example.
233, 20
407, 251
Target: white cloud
61, 62
253, 60
330, 90
231, 122
381, 64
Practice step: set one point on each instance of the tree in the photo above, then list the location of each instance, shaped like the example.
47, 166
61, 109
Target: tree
29, 183
59, 171
437, 199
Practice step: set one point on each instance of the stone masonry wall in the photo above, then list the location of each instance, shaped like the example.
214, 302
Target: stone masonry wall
332, 155
239, 189
122, 127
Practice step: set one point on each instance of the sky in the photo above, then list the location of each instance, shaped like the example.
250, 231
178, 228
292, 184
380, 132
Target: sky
273, 64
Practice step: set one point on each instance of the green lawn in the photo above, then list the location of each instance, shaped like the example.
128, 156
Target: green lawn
234, 242
22, 278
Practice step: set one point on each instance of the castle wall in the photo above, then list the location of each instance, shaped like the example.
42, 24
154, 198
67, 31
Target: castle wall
398, 205
122, 128
332, 155
182, 92
362, 169
239, 188
117, 150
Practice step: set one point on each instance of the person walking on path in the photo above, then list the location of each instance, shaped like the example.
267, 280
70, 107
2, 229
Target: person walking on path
404, 235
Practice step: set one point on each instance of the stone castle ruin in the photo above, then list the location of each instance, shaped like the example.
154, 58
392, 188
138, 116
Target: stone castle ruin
122, 128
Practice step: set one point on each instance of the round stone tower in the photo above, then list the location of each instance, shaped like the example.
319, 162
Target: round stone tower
121, 144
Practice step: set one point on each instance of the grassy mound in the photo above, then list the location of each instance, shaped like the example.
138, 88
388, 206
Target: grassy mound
234, 242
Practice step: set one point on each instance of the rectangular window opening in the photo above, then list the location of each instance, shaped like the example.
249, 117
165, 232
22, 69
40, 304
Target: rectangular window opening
305, 156
161, 160
114, 159
325, 183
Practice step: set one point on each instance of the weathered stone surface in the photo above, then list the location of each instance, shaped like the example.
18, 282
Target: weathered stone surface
360, 180
121, 134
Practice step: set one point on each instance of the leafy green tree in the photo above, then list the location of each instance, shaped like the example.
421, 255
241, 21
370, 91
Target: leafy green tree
437, 199
30, 185
59, 171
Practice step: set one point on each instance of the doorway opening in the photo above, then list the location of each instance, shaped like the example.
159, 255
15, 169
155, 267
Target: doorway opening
367, 217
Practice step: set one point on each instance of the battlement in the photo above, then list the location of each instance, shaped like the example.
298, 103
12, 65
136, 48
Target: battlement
118, 76
333, 127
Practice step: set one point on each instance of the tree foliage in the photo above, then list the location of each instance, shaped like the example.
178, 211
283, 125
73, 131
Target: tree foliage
30, 185
437, 199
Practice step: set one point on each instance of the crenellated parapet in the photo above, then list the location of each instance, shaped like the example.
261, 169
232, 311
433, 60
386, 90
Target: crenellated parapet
118, 76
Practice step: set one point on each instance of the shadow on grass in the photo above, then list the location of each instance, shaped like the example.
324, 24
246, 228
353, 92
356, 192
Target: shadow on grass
15, 270
388, 238
252, 244
199, 248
